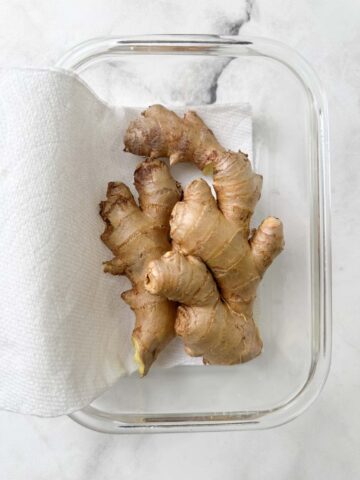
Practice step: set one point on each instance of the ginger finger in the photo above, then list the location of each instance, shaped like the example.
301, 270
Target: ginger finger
136, 237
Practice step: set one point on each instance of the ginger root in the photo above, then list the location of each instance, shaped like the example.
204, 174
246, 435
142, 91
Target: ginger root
136, 236
215, 321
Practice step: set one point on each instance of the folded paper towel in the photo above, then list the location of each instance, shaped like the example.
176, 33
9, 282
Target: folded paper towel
65, 332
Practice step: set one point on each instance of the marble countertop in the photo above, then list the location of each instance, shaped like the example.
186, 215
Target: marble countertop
324, 442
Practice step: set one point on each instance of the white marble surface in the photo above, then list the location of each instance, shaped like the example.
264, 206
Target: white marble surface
325, 441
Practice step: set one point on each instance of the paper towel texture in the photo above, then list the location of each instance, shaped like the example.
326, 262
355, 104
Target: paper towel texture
65, 332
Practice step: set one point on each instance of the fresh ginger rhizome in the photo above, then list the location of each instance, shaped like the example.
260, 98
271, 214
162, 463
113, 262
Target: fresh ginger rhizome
200, 264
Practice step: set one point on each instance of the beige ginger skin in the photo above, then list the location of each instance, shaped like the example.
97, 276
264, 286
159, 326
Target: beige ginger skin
215, 265
136, 235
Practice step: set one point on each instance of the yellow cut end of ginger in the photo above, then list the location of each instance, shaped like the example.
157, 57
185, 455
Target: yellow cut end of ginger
208, 170
137, 357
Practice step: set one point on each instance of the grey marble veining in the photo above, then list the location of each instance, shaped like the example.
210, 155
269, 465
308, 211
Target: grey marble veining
322, 443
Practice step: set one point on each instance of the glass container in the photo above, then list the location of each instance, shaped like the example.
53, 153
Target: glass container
290, 150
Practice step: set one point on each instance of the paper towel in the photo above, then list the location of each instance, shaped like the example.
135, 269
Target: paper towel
65, 332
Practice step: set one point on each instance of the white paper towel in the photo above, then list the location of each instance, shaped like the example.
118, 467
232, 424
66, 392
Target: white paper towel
65, 332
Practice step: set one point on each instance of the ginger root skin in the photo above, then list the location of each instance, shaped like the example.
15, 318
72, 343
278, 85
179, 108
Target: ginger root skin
216, 232
207, 325
136, 236
159, 132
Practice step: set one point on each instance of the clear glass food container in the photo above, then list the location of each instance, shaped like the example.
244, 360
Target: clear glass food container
290, 149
